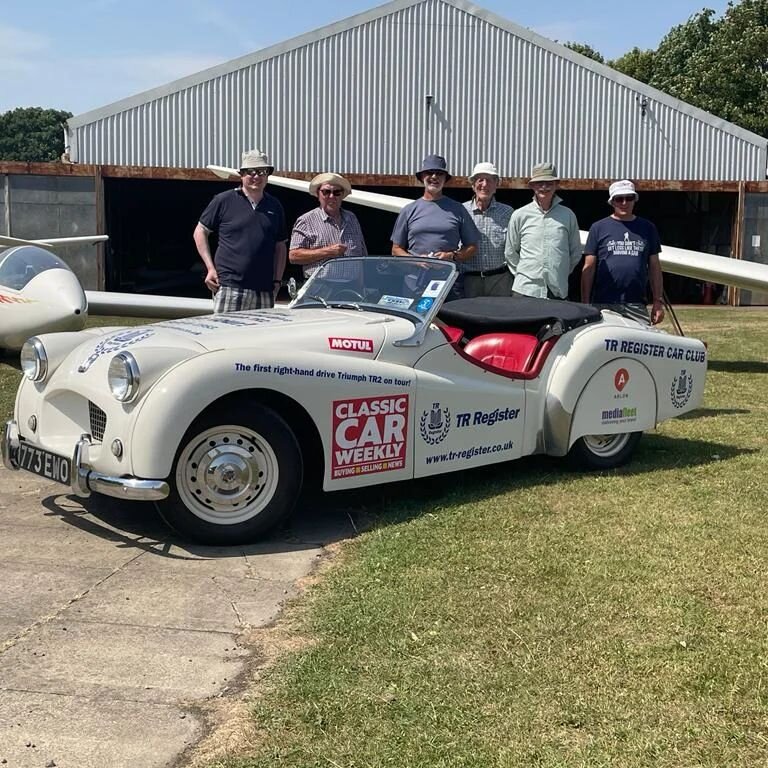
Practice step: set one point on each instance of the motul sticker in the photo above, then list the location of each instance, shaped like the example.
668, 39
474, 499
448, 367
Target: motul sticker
369, 435
350, 345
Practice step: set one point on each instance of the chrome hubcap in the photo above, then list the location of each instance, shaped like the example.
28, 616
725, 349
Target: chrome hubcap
227, 474
606, 445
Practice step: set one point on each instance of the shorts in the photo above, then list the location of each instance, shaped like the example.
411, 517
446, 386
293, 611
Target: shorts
231, 299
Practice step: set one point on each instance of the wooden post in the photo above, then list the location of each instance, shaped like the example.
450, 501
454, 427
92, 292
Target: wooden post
98, 183
734, 294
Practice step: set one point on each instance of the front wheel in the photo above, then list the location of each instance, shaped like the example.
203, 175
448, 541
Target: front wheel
603, 451
235, 476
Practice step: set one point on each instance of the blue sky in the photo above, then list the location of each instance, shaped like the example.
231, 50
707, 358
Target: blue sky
79, 56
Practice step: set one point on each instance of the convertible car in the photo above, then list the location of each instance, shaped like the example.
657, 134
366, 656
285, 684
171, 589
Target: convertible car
367, 377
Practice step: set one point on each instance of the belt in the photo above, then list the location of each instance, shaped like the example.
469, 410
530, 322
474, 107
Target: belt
488, 272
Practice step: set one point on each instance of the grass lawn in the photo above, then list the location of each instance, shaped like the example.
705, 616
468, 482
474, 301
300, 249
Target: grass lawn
525, 615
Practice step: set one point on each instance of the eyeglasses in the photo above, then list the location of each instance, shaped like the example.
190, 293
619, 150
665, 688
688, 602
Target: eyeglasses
629, 199
440, 174
328, 192
255, 172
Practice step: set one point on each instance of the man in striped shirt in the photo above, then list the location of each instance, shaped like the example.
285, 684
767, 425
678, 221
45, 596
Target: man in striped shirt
328, 231
487, 272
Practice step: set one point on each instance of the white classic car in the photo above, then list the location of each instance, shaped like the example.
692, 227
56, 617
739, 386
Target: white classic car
367, 377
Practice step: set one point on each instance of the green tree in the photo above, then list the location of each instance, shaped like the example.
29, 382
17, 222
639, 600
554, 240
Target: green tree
719, 65
636, 63
32, 134
586, 50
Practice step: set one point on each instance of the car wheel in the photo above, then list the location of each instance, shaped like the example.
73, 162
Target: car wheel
603, 451
233, 478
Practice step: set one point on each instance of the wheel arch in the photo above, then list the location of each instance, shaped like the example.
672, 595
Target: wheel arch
604, 408
601, 404
290, 410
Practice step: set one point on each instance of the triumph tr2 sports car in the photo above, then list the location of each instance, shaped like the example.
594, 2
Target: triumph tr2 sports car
367, 377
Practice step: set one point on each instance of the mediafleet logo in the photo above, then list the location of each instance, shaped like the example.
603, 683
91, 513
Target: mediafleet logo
369, 435
619, 415
350, 345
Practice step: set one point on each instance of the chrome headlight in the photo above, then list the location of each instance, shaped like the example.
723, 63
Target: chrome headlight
123, 377
34, 361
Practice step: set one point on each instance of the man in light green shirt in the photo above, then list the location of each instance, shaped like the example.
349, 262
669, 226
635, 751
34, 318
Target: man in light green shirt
543, 244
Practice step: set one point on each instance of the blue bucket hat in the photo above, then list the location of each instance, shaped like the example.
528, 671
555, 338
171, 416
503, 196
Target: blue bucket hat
433, 163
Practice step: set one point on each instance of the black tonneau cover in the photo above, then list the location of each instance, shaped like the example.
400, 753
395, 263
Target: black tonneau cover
524, 314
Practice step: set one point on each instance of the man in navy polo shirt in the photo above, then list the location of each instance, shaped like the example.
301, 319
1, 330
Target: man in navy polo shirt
247, 268
621, 259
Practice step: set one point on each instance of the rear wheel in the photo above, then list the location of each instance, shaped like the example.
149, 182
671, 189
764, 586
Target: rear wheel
603, 451
233, 478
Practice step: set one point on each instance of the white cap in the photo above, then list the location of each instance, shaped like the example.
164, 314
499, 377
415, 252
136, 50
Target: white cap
621, 188
488, 168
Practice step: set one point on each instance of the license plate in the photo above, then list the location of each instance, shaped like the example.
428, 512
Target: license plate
44, 463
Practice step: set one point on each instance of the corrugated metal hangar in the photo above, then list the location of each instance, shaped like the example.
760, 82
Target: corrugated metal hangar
368, 97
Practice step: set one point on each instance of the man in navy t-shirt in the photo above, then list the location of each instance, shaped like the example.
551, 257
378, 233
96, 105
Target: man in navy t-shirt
247, 268
621, 258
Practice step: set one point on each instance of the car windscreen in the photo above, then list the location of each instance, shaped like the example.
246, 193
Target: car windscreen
400, 285
20, 264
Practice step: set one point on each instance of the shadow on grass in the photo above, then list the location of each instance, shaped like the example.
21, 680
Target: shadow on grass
704, 413
737, 366
324, 518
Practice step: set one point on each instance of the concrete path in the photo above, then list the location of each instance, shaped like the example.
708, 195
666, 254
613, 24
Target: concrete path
112, 632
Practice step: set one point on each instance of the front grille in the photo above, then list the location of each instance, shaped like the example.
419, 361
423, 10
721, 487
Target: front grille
98, 421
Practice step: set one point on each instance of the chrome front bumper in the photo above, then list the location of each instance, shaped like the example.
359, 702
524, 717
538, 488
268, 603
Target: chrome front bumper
83, 479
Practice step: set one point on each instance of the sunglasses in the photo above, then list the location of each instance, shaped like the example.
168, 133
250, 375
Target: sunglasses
254, 172
329, 192
629, 199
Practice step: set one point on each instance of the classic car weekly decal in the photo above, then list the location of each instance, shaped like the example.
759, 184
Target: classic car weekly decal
369, 435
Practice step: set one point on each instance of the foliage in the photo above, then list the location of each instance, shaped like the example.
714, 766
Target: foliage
586, 50
719, 65
636, 63
32, 134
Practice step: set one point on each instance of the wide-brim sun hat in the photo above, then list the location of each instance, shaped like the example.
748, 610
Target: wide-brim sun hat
543, 172
255, 158
622, 188
433, 163
329, 178
484, 168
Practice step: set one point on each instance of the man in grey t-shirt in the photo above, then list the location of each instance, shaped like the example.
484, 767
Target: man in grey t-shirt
434, 225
